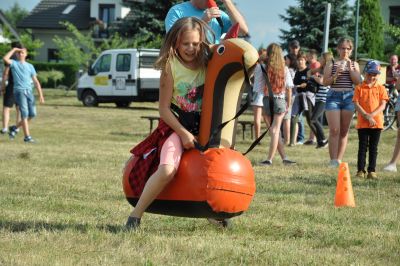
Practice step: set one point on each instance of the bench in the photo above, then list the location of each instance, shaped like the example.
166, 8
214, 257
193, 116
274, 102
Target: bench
244, 124
151, 119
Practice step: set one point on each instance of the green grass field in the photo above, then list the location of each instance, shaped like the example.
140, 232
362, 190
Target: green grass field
62, 201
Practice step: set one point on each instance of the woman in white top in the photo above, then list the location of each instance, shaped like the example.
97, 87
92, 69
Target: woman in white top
281, 85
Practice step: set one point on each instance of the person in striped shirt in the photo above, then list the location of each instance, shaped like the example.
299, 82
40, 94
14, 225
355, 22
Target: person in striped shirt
341, 76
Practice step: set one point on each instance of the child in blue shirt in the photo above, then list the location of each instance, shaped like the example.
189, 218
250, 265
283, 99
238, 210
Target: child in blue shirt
23, 75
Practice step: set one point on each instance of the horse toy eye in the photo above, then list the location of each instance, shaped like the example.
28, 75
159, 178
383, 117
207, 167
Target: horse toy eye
221, 49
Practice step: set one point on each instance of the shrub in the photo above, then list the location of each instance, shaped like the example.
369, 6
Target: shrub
53, 75
68, 71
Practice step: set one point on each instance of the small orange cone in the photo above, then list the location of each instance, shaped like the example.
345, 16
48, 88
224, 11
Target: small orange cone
344, 190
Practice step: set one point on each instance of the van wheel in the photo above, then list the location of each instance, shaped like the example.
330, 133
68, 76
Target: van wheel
122, 104
90, 99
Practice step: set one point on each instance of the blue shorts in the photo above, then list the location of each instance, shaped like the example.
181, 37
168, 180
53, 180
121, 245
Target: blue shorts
26, 103
339, 100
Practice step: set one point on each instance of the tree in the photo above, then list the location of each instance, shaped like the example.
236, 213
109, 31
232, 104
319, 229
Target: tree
392, 45
146, 23
26, 40
307, 23
32, 45
15, 14
371, 30
80, 49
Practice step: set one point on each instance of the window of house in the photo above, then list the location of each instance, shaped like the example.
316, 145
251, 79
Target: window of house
103, 64
394, 17
107, 13
52, 56
123, 62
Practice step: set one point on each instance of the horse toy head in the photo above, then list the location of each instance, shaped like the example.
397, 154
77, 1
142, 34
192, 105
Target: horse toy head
228, 72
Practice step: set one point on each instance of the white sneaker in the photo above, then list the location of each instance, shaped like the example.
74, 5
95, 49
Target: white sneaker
390, 168
334, 163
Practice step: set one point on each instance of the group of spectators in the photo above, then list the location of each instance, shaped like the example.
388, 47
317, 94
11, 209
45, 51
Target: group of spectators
315, 85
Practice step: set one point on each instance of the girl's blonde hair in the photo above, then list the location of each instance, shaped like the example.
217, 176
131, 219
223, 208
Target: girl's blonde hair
172, 39
328, 58
276, 67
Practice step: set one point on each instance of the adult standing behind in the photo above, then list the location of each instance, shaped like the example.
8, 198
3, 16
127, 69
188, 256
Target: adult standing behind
291, 63
280, 89
297, 131
393, 77
23, 73
342, 76
8, 100
320, 100
393, 71
257, 101
294, 48
199, 9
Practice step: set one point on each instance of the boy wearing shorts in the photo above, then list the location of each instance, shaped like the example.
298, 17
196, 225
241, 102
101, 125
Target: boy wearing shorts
23, 74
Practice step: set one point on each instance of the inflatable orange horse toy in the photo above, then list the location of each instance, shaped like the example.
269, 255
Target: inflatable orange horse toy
218, 182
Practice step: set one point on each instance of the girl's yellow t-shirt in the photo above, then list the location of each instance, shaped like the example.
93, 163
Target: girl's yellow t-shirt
188, 86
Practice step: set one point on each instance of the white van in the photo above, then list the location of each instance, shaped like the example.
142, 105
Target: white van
121, 76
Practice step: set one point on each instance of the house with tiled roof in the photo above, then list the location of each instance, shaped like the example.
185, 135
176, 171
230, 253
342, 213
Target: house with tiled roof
86, 15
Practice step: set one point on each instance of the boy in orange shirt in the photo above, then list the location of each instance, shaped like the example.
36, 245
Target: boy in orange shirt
369, 100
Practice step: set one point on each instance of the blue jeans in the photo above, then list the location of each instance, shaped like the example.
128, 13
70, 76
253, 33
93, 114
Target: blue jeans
26, 103
339, 100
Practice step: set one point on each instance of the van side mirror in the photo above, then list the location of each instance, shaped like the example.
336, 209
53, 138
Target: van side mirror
90, 71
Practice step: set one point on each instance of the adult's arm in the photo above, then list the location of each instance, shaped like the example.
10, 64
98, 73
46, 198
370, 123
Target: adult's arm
329, 79
355, 73
236, 17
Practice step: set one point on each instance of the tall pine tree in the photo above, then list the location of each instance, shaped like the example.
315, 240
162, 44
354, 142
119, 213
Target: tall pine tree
307, 20
371, 30
145, 22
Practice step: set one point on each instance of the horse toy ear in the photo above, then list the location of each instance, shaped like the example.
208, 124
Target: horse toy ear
233, 32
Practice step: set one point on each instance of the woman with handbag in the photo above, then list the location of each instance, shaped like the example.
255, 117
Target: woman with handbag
276, 83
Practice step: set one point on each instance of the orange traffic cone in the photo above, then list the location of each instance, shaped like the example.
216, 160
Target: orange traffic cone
344, 191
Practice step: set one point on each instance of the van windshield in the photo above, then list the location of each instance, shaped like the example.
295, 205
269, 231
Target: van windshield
147, 61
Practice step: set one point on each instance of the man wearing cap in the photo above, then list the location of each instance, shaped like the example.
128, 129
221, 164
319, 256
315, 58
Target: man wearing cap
369, 99
294, 47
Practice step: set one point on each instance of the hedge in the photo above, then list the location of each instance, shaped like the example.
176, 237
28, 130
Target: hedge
69, 70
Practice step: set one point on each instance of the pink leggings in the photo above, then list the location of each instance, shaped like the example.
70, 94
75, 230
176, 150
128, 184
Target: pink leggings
171, 151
